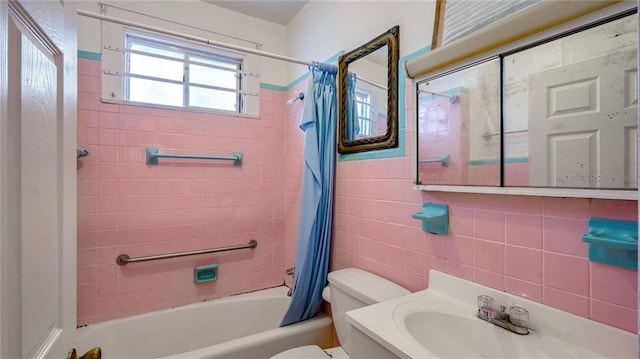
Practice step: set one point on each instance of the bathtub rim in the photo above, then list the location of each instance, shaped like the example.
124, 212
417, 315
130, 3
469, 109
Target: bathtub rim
223, 349
320, 328
279, 291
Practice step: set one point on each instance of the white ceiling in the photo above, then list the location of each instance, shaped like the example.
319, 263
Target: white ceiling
278, 11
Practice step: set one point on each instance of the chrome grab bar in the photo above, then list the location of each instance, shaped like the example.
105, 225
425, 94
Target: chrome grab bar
124, 259
487, 135
452, 98
444, 160
153, 155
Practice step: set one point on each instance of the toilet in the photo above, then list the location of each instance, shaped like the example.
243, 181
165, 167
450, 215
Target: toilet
348, 289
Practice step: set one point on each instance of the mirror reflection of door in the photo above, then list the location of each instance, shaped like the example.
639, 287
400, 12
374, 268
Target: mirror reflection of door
570, 110
583, 124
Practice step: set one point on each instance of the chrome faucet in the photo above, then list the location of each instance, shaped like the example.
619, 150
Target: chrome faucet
291, 271
514, 319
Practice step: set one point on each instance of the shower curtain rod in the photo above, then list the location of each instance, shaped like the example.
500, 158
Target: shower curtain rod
208, 41
104, 4
374, 84
193, 38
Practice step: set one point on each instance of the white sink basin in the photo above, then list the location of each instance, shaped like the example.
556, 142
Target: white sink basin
441, 322
449, 335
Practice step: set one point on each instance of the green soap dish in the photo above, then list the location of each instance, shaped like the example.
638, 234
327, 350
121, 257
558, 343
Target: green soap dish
205, 273
613, 242
434, 217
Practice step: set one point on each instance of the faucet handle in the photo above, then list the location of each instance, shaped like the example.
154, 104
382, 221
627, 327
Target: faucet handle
519, 316
486, 307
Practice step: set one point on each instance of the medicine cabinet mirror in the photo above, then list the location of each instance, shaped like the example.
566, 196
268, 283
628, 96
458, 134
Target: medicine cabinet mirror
368, 95
569, 115
451, 109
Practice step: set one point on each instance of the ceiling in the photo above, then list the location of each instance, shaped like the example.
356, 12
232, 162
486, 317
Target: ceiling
278, 11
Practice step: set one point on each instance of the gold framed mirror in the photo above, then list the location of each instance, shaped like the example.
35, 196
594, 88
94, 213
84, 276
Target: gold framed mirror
368, 95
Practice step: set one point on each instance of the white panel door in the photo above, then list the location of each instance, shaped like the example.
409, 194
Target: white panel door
582, 124
38, 181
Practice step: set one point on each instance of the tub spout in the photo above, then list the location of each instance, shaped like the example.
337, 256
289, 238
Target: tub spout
290, 271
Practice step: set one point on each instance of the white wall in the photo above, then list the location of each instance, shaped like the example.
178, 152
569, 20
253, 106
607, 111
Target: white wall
196, 13
319, 30
374, 72
323, 28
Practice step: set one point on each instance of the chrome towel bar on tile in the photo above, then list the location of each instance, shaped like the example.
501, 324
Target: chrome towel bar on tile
487, 135
452, 98
444, 160
153, 155
124, 259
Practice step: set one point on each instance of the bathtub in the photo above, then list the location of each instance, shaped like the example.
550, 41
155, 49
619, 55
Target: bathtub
236, 327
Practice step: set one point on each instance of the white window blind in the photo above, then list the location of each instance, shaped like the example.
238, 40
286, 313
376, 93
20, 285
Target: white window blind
526, 22
458, 22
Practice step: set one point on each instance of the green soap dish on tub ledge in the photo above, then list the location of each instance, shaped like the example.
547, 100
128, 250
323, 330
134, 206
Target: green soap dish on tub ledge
613, 242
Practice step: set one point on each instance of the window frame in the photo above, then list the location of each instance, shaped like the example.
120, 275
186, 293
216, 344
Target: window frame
115, 70
369, 108
186, 61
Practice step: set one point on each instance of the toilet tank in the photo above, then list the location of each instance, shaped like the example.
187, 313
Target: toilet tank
353, 288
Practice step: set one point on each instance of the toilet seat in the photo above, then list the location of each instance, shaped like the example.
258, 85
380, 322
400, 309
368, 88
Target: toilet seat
312, 352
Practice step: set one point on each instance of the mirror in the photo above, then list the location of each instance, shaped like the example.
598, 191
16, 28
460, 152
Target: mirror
454, 111
368, 95
570, 110
569, 115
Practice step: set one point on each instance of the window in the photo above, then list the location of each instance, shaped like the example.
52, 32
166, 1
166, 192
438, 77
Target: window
151, 69
365, 120
159, 73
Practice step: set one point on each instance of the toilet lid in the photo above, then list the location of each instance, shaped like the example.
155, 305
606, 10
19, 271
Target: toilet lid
311, 352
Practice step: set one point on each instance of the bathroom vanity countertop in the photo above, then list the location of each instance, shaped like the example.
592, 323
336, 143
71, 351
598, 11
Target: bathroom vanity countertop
441, 322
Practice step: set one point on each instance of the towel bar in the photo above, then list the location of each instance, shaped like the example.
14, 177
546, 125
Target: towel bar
153, 155
124, 259
444, 160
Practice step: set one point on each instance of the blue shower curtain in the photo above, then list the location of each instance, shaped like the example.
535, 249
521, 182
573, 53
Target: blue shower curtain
353, 125
316, 207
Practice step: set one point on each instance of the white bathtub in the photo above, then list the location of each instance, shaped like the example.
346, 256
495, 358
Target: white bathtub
237, 327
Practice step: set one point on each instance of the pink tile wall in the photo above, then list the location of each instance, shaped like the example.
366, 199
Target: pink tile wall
126, 206
516, 174
444, 130
527, 246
